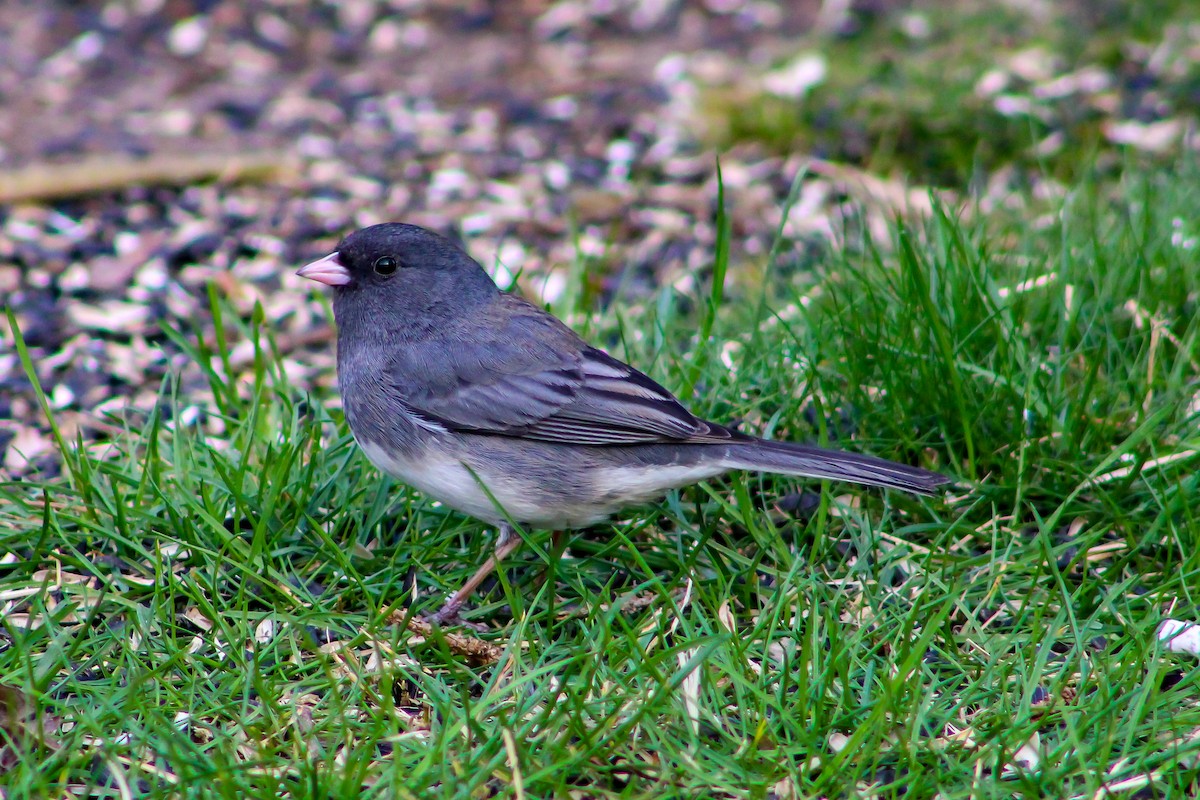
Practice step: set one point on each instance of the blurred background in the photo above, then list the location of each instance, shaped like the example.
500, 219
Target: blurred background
149, 148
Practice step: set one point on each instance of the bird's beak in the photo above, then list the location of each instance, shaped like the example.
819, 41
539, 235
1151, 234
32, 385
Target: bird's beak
327, 270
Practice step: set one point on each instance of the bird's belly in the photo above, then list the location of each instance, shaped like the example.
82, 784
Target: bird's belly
444, 478
572, 498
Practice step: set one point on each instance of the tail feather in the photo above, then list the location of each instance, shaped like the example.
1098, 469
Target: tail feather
793, 458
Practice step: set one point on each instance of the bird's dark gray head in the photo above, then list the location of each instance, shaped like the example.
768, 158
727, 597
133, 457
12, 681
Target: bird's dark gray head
402, 279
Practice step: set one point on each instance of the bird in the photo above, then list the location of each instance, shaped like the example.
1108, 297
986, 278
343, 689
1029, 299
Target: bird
490, 404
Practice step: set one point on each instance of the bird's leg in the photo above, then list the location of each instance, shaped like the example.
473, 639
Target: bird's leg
506, 544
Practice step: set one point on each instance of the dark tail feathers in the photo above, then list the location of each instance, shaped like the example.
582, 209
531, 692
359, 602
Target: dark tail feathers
792, 458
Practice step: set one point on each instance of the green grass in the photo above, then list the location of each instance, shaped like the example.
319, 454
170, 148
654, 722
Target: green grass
207, 602
902, 103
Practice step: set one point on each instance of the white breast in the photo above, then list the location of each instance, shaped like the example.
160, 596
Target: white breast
444, 478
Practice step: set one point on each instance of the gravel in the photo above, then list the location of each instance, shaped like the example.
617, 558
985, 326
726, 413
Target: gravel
533, 131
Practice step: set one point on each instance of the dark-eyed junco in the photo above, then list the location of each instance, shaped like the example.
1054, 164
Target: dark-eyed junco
493, 406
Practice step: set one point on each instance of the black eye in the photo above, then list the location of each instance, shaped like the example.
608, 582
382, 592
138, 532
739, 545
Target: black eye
386, 265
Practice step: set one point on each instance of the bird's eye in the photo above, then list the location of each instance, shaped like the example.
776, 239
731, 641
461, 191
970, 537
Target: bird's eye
386, 265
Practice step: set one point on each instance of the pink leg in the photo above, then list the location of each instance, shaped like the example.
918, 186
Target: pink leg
506, 545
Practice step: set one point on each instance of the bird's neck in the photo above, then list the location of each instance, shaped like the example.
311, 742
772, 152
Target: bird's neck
381, 323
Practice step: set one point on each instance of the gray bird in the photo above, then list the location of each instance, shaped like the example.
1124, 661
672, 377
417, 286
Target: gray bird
491, 405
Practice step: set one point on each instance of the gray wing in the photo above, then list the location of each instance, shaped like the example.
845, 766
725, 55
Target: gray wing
526, 374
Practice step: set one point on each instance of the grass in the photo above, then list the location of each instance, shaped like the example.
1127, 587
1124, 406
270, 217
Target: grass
205, 605
904, 90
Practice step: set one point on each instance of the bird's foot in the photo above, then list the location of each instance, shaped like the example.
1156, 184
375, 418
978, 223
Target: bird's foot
506, 543
448, 615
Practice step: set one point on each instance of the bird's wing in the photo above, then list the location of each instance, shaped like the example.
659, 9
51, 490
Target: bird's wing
526, 374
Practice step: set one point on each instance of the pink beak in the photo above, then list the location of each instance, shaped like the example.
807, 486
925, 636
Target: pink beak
327, 270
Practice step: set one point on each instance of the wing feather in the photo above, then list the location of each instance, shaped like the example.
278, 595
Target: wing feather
531, 376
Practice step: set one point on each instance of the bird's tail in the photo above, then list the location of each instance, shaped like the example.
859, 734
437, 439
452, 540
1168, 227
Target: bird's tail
792, 458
